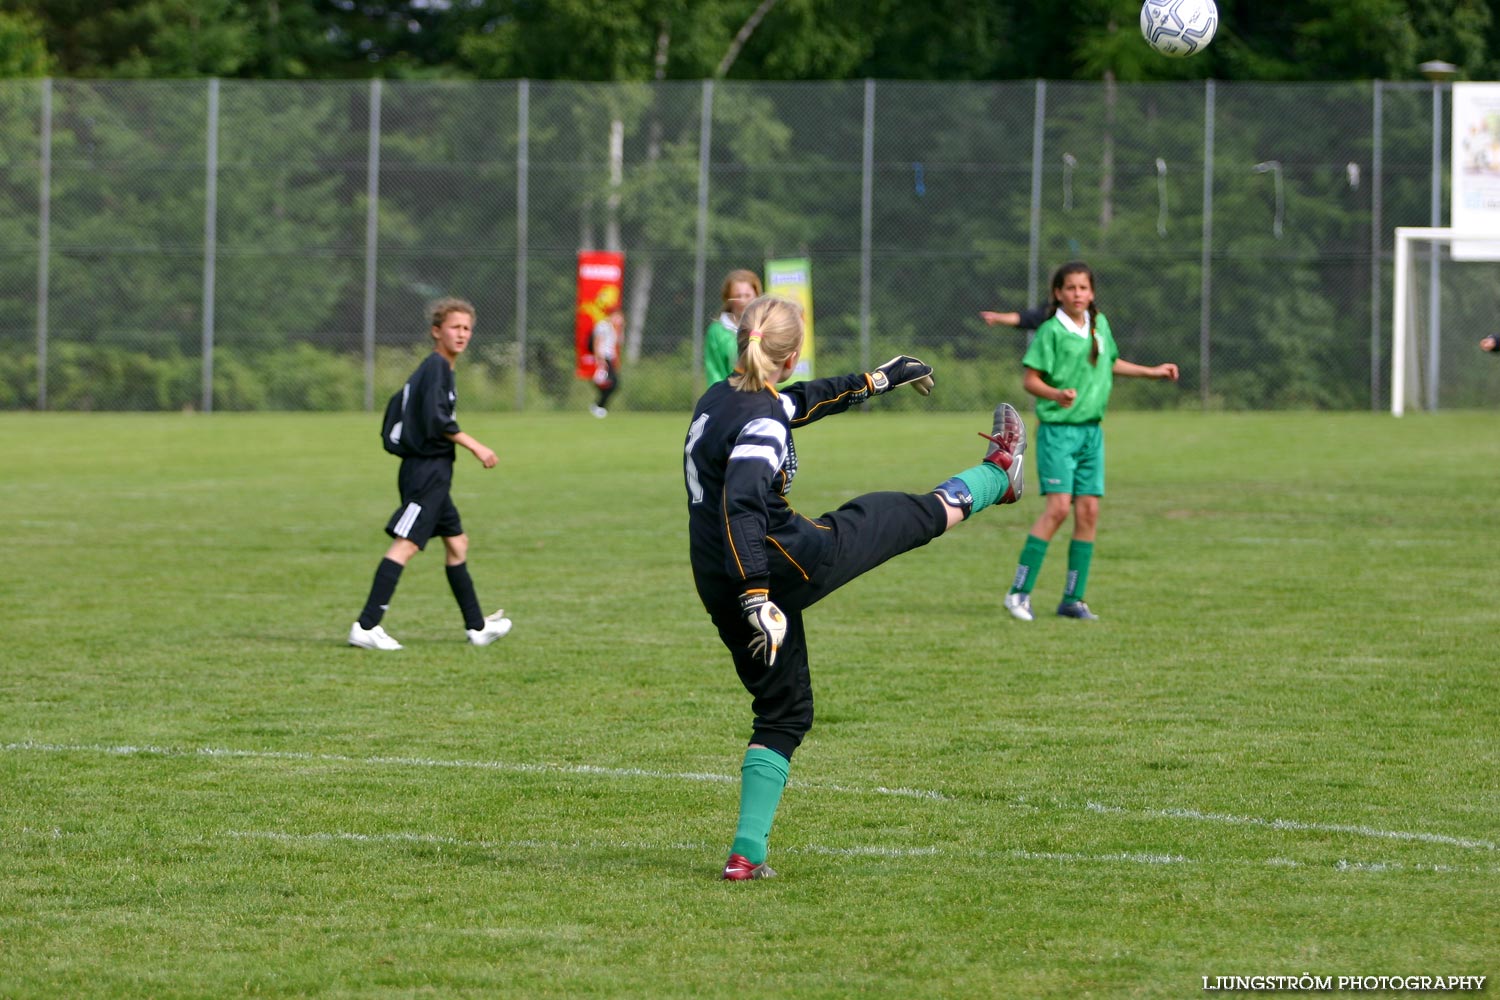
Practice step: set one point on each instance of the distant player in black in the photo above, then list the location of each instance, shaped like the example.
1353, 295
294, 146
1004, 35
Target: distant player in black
1025, 319
758, 563
427, 433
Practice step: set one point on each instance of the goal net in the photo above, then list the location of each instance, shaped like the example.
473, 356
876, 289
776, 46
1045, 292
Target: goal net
1445, 302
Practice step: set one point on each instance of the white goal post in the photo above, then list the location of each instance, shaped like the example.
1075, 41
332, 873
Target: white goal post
1409, 307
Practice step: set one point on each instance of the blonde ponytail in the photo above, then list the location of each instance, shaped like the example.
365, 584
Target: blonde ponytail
770, 332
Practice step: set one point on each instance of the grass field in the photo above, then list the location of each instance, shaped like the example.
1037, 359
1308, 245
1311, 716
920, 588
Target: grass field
1276, 755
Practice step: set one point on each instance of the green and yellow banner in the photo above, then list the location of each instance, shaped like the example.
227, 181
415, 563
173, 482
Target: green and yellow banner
792, 279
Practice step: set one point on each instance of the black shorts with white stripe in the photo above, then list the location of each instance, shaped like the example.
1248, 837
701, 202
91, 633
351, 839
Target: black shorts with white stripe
426, 504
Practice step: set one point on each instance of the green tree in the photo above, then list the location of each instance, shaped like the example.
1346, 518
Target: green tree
23, 46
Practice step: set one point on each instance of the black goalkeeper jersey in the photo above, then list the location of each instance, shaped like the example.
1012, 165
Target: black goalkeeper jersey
739, 465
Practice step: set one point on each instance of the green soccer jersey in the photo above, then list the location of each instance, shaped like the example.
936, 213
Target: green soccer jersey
720, 349
1060, 352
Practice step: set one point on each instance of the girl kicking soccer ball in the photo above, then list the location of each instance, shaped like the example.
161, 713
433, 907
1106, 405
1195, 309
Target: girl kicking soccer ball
758, 563
1070, 368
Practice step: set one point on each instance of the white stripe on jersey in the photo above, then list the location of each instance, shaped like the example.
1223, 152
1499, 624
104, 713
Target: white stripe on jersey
789, 406
766, 454
408, 518
763, 439
764, 427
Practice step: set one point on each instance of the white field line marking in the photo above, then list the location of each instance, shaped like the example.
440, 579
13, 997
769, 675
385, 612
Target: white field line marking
478, 765
868, 851
1291, 824
589, 769
1068, 857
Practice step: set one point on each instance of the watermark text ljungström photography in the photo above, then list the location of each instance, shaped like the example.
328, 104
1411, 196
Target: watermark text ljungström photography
1308, 983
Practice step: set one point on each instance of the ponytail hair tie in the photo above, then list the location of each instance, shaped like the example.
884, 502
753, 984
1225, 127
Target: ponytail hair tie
754, 334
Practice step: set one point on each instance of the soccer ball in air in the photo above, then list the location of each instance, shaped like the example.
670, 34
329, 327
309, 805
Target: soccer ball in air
1179, 28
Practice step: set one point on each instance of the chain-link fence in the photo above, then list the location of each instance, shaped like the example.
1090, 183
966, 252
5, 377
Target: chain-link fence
249, 245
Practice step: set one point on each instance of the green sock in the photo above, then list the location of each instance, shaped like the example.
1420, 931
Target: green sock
1032, 554
1080, 554
762, 777
987, 483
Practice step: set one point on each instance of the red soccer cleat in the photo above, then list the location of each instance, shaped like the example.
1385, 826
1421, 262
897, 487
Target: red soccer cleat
739, 869
1007, 445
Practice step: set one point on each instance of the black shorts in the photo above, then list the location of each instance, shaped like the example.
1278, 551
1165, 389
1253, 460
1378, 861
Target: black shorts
426, 504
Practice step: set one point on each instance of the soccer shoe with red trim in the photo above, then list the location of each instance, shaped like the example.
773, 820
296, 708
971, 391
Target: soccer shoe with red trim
739, 869
1007, 445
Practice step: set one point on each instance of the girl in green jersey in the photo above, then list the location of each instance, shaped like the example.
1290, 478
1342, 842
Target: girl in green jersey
1070, 368
721, 340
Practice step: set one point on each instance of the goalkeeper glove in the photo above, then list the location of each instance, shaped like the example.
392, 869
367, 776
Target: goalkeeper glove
767, 622
899, 371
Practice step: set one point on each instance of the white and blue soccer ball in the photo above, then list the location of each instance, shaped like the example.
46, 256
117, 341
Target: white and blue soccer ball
1179, 28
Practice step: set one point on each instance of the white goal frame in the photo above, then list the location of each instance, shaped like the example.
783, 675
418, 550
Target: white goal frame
1400, 306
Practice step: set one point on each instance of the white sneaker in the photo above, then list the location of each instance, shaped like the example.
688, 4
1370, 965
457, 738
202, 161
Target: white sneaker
598, 411
1019, 605
374, 638
495, 626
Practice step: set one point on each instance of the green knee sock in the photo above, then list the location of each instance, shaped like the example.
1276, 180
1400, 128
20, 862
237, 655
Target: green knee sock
1080, 554
762, 777
987, 483
1032, 554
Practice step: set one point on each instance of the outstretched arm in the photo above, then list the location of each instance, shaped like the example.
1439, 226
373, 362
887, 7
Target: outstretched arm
1132, 370
1026, 319
818, 398
1001, 319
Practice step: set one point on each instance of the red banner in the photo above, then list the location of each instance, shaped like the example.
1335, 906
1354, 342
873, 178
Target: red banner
601, 275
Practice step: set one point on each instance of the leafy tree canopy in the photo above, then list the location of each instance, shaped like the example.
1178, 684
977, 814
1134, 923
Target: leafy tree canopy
746, 39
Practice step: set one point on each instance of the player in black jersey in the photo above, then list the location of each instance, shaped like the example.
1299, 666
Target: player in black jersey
427, 433
758, 563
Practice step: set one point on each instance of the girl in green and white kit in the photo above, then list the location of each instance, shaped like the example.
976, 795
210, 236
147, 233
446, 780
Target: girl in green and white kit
1070, 368
721, 347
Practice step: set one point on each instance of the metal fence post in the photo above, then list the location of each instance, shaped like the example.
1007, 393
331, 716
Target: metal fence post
1034, 249
372, 231
523, 233
1435, 295
210, 241
1377, 242
866, 224
44, 247
700, 262
1205, 265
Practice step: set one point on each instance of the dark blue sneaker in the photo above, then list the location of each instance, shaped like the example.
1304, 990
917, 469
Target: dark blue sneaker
1076, 609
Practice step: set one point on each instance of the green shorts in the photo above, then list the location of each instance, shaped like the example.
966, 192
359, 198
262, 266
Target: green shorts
1070, 458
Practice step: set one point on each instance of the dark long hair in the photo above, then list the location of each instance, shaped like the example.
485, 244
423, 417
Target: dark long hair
1061, 275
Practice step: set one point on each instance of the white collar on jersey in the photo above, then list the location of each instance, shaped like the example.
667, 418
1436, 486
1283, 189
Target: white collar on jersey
1072, 327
